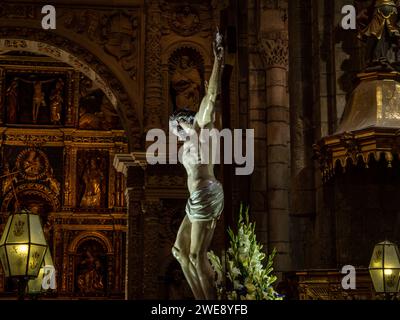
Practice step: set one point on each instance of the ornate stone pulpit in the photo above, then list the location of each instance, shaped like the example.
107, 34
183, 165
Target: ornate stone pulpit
360, 161
370, 125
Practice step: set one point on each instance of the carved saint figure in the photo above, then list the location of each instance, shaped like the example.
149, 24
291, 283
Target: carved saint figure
32, 165
93, 180
379, 28
56, 101
9, 178
106, 119
186, 82
206, 200
91, 279
185, 21
47, 230
38, 99
12, 101
53, 183
89, 121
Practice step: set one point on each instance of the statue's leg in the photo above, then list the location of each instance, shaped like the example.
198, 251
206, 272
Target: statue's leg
181, 251
34, 111
37, 107
201, 237
38, 110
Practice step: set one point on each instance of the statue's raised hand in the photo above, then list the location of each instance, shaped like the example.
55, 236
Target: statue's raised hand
218, 47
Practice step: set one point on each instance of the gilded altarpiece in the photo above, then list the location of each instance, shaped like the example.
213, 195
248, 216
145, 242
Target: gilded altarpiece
59, 134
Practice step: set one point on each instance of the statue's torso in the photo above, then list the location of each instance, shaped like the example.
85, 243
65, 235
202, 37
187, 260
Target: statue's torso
199, 174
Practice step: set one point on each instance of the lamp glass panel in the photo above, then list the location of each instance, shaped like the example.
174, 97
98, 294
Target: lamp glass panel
377, 279
19, 232
377, 257
17, 256
36, 257
37, 235
391, 280
391, 257
4, 235
4, 262
48, 260
35, 285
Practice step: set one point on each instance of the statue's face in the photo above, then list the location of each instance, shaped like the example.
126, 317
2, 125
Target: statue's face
181, 129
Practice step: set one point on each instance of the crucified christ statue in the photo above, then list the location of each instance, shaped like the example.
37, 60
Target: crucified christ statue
206, 200
38, 99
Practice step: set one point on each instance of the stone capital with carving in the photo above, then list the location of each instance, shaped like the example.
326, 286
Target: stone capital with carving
274, 48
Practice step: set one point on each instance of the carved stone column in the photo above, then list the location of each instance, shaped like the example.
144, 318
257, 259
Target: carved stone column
151, 209
118, 260
134, 173
64, 288
112, 181
2, 89
153, 93
73, 154
75, 102
273, 39
67, 174
256, 118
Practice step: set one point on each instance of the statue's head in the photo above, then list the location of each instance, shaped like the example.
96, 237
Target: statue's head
181, 123
93, 163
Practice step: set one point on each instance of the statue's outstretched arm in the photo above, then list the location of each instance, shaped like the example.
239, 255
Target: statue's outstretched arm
205, 115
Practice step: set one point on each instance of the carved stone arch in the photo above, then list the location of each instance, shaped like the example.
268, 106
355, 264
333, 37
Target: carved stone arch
91, 235
32, 189
78, 55
60, 55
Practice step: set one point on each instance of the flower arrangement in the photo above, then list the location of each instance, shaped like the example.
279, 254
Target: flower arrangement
243, 276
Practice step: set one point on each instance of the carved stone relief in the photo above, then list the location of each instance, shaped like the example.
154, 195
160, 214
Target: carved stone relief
33, 179
186, 68
185, 19
153, 98
116, 32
